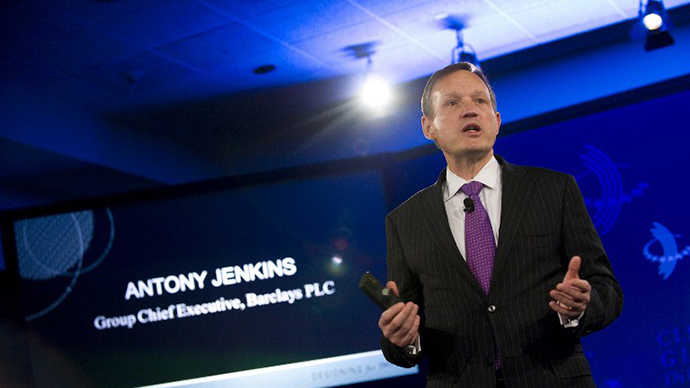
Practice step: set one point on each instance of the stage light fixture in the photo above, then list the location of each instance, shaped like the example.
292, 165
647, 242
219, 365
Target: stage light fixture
376, 91
656, 24
467, 54
652, 15
652, 21
463, 52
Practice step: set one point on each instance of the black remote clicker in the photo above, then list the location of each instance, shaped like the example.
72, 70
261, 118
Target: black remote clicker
383, 297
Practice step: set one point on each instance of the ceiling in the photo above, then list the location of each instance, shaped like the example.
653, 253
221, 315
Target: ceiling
117, 54
122, 59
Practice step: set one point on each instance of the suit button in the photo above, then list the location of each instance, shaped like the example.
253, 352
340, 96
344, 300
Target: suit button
492, 308
489, 361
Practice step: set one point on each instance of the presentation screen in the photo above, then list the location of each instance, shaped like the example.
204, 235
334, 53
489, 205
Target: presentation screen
249, 286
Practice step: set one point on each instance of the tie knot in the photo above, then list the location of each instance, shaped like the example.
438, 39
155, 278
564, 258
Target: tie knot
472, 188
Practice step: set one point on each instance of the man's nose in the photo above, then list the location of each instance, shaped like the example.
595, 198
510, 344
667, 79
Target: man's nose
469, 113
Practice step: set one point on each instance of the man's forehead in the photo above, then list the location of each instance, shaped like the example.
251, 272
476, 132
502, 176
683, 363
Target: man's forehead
450, 84
456, 92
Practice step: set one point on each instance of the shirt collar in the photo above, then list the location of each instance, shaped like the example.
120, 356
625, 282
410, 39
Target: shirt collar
489, 175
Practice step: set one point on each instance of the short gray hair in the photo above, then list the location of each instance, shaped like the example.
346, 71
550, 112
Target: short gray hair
438, 75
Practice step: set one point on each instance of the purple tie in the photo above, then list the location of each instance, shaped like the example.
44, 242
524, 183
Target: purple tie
480, 245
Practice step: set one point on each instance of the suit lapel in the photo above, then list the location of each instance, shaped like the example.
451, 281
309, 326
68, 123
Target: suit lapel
517, 189
433, 212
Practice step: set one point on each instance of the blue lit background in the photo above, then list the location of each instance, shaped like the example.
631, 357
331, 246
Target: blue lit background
636, 180
99, 98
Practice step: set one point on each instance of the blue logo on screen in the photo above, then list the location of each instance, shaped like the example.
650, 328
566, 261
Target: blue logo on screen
56, 247
606, 206
667, 261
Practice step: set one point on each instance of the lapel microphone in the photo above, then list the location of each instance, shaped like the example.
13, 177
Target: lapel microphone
469, 205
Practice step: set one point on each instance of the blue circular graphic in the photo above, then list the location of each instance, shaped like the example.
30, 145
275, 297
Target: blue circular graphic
606, 207
667, 261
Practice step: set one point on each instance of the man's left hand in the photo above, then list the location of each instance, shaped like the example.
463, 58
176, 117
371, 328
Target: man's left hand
572, 295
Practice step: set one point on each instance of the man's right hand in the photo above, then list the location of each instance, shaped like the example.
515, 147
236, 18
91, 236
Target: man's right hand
400, 323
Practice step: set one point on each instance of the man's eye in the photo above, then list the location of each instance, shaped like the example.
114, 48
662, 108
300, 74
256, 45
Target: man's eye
481, 101
452, 102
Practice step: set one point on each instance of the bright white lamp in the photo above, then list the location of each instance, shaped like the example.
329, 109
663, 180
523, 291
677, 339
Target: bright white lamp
376, 92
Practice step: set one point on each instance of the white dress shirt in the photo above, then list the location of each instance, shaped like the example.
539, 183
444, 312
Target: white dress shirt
490, 196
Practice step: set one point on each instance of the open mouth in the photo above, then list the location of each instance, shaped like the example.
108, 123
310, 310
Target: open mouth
472, 128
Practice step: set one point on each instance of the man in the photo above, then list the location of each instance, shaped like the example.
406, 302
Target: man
501, 276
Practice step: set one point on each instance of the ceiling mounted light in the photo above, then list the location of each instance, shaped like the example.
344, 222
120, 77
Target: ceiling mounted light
375, 91
655, 22
463, 52
652, 21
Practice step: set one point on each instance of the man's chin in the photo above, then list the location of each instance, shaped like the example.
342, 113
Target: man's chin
473, 153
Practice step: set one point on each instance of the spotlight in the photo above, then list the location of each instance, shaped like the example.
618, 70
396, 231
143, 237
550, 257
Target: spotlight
468, 55
652, 15
376, 92
462, 52
652, 21
654, 18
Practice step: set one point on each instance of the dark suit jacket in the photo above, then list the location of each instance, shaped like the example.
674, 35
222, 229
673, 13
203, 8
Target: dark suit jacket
544, 223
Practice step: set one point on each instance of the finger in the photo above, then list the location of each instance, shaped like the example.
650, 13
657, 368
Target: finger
565, 312
392, 320
413, 333
574, 268
390, 313
407, 325
567, 307
408, 333
401, 327
574, 286
391, 284
577, 305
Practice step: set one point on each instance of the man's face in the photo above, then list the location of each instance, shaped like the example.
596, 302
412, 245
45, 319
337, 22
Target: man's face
463, 124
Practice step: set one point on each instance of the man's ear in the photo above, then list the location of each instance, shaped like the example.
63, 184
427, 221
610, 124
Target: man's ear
429, 131
498, 120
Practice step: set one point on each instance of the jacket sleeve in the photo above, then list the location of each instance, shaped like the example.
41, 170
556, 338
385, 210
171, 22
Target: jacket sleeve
581, 238
408, 285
